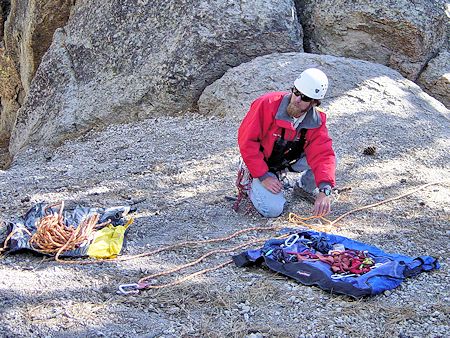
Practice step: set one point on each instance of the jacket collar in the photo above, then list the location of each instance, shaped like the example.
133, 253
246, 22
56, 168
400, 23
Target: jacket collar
312, 119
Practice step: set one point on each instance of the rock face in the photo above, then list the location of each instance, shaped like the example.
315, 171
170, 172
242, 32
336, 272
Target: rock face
4, 9
401, 34
26, 36
435, 79
364, 83
117, 61
29, 31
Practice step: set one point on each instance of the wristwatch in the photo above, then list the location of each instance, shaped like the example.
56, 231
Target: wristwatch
326, 190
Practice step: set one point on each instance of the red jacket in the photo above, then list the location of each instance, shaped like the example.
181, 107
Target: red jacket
263, 125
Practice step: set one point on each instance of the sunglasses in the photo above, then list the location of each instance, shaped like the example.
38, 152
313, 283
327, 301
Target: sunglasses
304, 98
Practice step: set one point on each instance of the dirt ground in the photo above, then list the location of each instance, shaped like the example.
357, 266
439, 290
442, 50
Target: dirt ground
180, 169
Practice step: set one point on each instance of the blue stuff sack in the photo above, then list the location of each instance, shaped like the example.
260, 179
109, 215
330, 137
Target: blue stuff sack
388, 273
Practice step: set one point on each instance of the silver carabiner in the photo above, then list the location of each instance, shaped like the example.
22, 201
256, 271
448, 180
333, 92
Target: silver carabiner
338, 276
133, 289
291, 240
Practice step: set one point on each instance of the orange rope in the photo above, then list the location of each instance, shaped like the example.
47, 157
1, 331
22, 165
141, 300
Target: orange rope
292, 218
383, 202
53, 236
192, 263
143, 285
296, 219
205, 241
192, 275
174, 246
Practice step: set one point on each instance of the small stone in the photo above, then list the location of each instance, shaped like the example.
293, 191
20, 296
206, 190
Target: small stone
379, 197
255, 335
173, 310
292, 299
245, 309
387, 293
246, 317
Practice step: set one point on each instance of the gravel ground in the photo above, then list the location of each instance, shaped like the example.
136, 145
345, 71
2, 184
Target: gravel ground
183, 167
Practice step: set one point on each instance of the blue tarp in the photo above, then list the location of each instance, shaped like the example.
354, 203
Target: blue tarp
391, 269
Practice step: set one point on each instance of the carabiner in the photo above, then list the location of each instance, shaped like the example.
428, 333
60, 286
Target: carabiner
133, 289
338, 276
291, 240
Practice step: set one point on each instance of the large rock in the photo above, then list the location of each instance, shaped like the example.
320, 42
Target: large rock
118, 61
10, 88
28, 33
4, 9
9, 82
435, 79
371, 86
401, 34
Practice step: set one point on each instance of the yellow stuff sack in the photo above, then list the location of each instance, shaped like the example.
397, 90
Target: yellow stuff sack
108, 242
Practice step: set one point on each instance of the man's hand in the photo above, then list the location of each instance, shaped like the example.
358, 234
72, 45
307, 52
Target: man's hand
322, 205
272, 184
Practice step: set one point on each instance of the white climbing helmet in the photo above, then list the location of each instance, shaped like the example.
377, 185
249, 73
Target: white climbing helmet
313, 83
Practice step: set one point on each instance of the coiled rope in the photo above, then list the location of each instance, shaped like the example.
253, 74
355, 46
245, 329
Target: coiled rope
54, 237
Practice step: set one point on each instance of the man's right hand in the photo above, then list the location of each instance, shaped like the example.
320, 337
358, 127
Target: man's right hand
272, 184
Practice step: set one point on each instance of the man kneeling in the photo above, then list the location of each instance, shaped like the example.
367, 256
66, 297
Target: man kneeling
287, 132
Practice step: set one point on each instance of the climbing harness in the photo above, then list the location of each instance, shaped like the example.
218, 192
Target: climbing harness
285, 153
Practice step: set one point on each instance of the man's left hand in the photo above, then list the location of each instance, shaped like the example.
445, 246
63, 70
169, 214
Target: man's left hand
322, 205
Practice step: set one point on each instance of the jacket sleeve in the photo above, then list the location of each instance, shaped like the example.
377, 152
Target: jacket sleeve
250, 133
320, 154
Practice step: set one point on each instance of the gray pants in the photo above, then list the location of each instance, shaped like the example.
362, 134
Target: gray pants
269, 204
